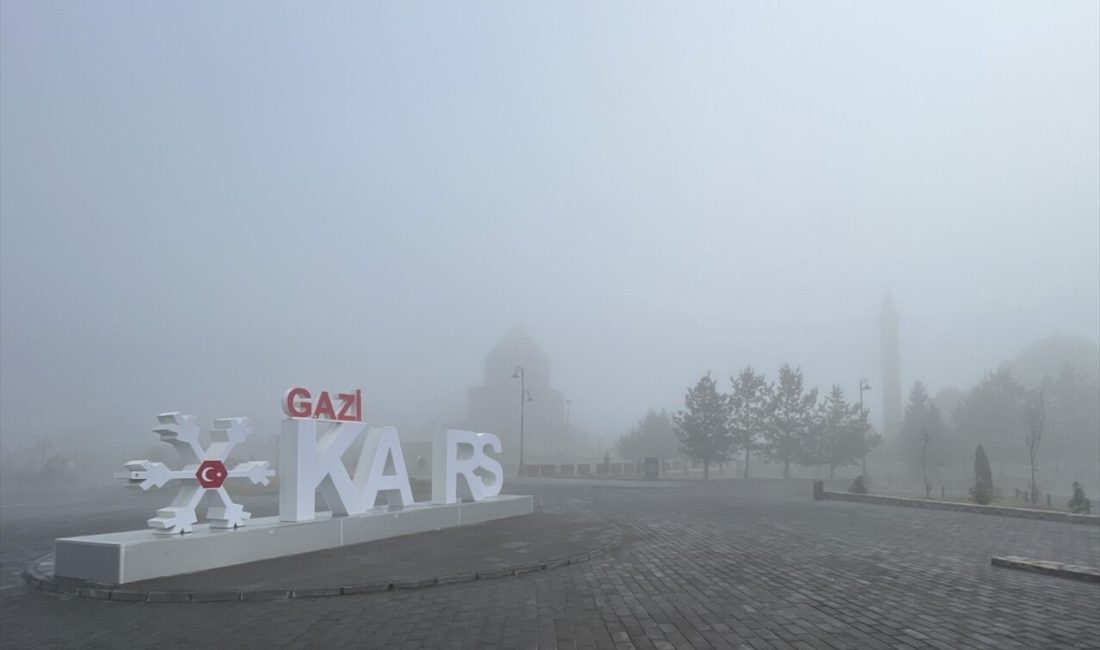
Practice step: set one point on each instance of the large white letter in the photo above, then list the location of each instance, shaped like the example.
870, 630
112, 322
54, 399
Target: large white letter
492, 474
461, 455
381, 468
307, 464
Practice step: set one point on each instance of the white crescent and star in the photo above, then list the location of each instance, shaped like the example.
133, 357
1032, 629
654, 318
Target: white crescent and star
204, 474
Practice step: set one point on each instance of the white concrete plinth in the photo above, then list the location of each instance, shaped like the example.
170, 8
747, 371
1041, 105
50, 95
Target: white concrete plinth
119, 558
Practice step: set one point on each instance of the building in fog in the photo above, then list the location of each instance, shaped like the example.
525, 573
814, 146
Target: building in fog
495, 405
891, 369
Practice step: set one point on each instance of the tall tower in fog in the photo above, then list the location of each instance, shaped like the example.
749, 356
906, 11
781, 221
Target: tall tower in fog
891, 369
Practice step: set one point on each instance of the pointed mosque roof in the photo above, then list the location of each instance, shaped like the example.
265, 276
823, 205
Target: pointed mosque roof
517, 348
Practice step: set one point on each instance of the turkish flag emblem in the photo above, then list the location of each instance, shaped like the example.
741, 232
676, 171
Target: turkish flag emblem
211, 474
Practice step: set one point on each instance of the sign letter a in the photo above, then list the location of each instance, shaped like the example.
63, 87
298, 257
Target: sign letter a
381, 468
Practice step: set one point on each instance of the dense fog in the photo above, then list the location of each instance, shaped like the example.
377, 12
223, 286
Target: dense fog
204, 205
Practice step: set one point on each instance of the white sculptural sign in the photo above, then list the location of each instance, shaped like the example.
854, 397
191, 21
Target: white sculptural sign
314, 437
311, 448
203, 470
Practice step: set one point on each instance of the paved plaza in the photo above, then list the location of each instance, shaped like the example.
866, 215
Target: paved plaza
733, 564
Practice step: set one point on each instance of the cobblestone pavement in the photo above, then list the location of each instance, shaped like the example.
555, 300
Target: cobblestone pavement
750, 565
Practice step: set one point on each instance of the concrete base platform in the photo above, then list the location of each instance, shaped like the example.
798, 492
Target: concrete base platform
120, 558
506, 547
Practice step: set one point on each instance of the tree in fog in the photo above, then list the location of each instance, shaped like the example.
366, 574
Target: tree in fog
867, 439
1072, 401
749, 401
1035, 416
790, 415
702, 427
982, 492
990, 413
923, 426
654, 435
1079, 504
837, 433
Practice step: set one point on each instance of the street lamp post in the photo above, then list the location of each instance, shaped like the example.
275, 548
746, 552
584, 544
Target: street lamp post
568, 403
524, 397
863, 385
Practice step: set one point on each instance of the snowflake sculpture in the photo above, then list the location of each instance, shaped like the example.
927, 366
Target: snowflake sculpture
203, 470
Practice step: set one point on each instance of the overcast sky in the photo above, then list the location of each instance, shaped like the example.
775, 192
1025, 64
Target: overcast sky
204, 204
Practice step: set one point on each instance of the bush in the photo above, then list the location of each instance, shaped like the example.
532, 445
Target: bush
982, 492
858, 486
1079, 504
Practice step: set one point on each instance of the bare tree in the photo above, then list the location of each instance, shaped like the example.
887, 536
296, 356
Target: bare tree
1035, 415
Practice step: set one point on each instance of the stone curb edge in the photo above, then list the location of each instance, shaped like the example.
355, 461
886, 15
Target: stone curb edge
39, 580
1059, 569
1003, 511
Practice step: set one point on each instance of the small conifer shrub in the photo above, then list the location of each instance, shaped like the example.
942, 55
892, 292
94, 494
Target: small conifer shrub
1078, 503
982, 492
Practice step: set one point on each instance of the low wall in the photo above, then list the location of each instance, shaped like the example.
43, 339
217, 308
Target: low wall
1027, 513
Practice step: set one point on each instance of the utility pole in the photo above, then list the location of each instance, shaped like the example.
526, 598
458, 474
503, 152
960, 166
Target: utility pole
568, 403
524, 397
863, 385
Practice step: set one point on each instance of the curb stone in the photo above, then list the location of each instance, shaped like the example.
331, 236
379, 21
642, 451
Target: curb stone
312, 592
369, 588
461, 577
37, 579
529, 568
1058, 569
269, 594
129, 596
98, 594
414, 584
214, 596
168, 597
1003, 511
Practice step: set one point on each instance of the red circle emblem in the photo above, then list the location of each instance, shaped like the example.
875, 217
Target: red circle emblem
211, 474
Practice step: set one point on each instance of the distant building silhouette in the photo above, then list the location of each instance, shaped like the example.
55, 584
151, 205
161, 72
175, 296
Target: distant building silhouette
494, 406
891, 369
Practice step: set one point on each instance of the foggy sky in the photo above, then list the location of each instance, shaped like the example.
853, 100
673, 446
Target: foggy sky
202, 204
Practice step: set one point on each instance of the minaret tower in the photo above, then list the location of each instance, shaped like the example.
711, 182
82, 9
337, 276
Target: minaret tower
891, 369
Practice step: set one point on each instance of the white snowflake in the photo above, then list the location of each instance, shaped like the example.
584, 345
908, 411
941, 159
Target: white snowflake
204, 470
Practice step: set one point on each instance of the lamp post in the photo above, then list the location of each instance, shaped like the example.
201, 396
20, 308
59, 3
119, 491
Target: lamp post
524, 397
863, 385
568, 403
